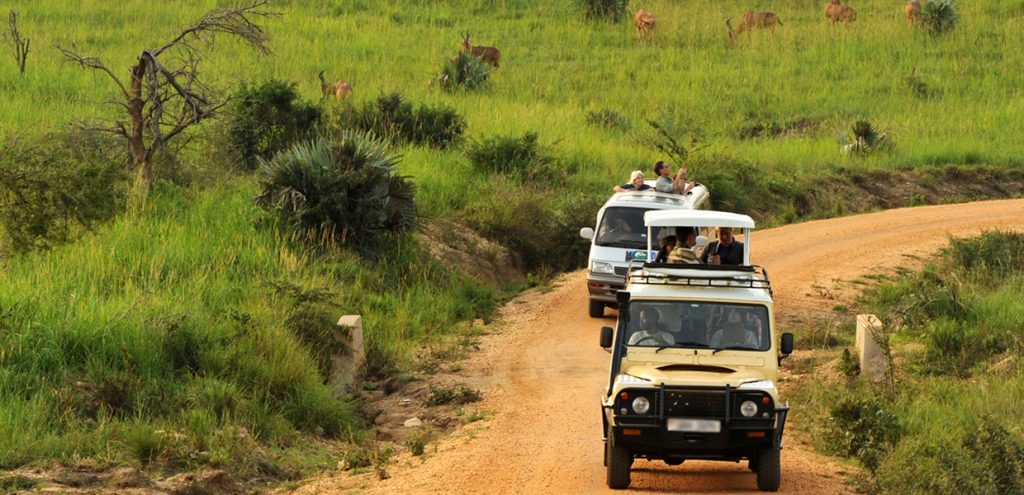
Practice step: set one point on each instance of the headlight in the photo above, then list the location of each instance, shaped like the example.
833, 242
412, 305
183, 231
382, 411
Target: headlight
641, 405
748, 408
602, 267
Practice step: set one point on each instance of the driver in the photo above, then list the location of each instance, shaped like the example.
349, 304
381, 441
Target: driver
652, 332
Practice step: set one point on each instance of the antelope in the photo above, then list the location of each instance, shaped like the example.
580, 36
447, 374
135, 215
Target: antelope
753, 20
912, 10
835, 11
644, 21
341, 89
488, 54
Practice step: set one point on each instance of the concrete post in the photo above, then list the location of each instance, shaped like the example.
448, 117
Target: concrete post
348, 362
873, 364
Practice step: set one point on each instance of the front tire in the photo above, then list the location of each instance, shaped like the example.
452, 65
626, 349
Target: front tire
769, 470
596, 309
619, 461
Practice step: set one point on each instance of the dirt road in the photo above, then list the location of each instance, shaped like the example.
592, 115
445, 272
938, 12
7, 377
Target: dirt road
543, 372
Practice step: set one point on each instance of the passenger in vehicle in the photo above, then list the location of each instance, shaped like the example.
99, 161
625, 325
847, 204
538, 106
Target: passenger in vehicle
683, 253
680, 185
665, 183
651, 331
636, 183
668, 244
614, 230
725, 251
734, 334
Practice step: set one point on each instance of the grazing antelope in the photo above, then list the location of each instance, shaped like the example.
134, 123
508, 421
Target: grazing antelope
488, 54
912, 10
341, 89
835, 11
753, 20
644, 21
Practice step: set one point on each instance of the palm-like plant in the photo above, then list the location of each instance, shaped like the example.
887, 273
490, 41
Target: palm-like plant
463, 70
939, 16
345, 190
865, 139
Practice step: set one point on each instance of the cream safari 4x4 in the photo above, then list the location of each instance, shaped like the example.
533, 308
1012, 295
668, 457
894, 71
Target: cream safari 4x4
695, 358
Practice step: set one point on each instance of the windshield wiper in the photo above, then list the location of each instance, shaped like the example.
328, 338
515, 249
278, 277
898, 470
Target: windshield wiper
734, 348
683, 344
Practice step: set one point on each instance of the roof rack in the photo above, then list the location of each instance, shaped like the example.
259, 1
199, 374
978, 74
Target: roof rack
704, 276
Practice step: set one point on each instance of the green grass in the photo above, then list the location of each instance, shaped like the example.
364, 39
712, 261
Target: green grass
169, 339
558, 67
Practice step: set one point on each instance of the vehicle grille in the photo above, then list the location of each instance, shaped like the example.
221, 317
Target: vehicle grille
695, 403
621, 270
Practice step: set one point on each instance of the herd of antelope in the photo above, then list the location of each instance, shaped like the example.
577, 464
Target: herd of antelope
835, 12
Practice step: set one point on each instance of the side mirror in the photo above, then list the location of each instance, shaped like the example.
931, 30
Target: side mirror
587, 233
606, 337
786, 347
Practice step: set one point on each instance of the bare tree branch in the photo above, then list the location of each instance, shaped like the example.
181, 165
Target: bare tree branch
236, 21
92, 63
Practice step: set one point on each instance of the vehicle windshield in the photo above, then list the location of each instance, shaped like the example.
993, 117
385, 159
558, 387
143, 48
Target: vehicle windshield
698, 325
622, 227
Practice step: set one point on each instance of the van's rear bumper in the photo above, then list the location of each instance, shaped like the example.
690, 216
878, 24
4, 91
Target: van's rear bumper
603, 287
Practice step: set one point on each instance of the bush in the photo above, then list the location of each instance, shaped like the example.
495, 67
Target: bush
345, 191
991, 257
865, 139
612, 10
55, 187
527, 233
939, 16
986, 458
517, 157
862, 427
397, 120
608, 119
463, 70
266, 118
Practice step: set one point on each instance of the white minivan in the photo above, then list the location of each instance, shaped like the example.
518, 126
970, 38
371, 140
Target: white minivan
620, 237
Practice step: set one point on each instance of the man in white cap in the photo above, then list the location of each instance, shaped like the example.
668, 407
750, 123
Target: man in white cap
636, 183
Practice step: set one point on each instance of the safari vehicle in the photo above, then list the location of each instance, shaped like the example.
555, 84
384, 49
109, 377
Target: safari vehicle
620, 238
695, 357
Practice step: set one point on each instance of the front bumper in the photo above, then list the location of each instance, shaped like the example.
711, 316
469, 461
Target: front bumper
603, 287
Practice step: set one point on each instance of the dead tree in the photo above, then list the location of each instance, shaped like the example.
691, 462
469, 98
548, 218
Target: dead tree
164, 95
19, 44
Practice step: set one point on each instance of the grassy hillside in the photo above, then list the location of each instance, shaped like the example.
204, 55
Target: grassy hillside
162, 339
810, 81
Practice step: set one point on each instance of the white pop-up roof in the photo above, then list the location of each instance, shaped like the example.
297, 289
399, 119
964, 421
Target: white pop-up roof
700, 218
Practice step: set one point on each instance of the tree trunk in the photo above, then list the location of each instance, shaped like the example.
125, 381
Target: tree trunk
136, 143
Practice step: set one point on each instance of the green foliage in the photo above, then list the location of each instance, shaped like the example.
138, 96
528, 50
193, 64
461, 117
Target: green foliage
458, 396
517, 157
987, 458
463, 70
864, 428
392, 117
939, 16
266, 118
145, 443
612, 10
993, 256
417, 442
608, 119
865, 139
55, 187
848, 363
345, 191
16, 483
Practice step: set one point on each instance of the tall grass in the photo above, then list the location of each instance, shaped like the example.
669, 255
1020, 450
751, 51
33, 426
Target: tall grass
159, 339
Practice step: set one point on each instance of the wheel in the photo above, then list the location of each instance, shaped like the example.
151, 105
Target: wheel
674, 461
619, 460
596, 309
769, 471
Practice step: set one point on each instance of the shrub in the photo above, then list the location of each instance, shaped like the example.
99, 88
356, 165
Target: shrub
939, 16
608, 119
612, 10
517, 157
992, 257
53, 188
527, 233
463, 70
862, 427
345, 191
397, 120
455, 395
865, 139
266, 118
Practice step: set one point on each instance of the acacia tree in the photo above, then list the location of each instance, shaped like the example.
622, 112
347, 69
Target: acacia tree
164, 95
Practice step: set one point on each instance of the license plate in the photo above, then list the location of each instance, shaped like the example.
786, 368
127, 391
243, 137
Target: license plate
694, 425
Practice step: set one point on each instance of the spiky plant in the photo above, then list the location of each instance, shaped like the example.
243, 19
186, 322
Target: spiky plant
463, 70
612, 10
865, 139
939, 16
344, 190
